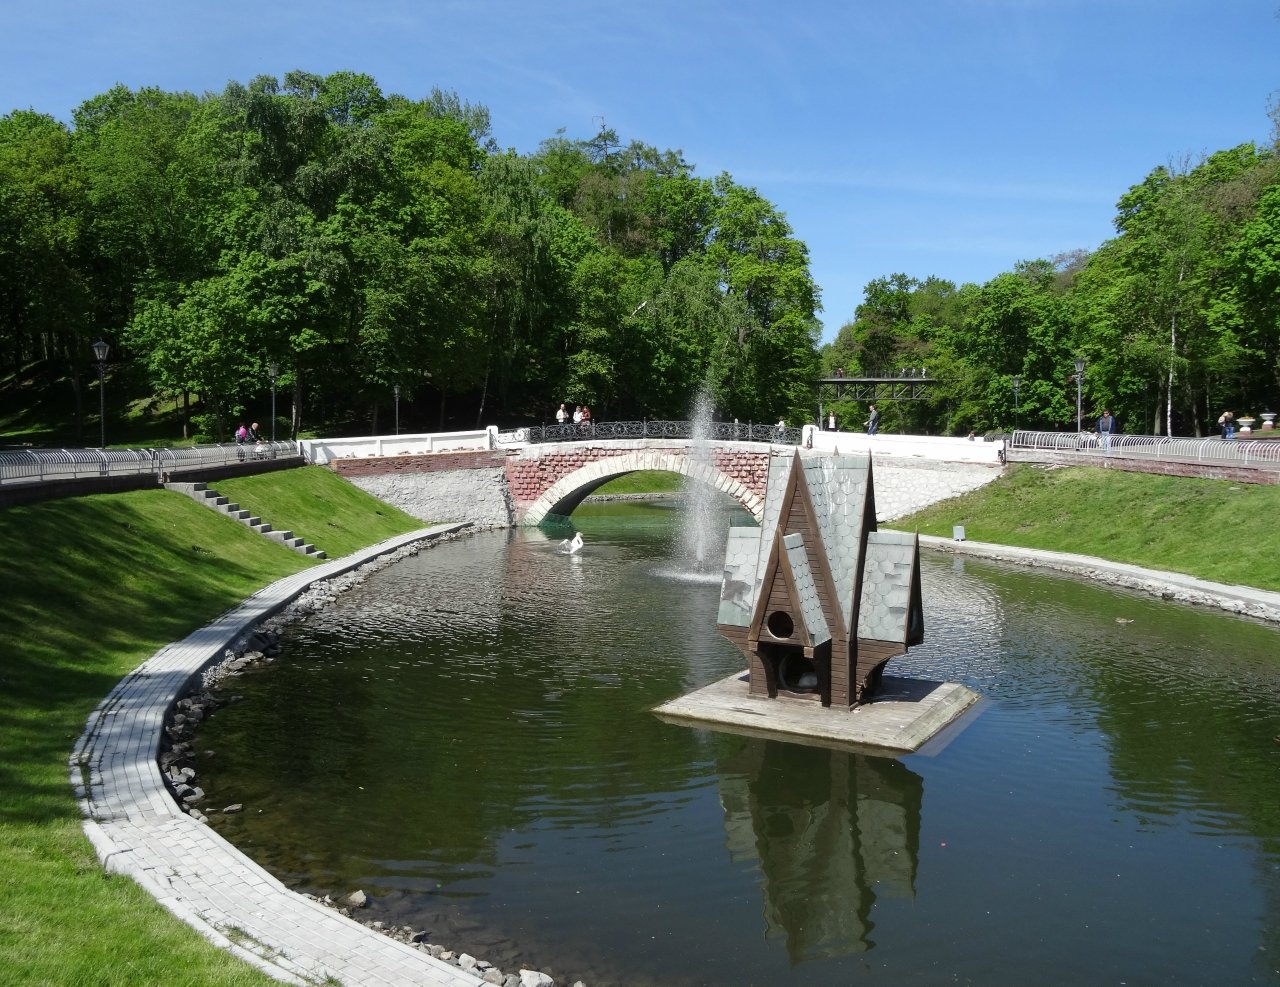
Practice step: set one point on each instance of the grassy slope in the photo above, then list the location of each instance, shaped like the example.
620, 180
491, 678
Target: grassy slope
320, 506
91, 587
1214, 529
644, 482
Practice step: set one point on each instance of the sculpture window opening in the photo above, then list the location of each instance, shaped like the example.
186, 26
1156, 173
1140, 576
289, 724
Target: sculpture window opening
780, 624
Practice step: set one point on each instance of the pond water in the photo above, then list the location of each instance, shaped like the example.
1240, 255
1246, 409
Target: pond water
467, 738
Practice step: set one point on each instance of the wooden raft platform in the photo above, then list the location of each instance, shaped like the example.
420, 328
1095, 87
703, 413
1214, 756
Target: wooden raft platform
905, 714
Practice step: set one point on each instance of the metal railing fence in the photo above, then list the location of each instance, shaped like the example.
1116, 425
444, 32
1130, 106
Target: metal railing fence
1240, 451
44, 465
716, 431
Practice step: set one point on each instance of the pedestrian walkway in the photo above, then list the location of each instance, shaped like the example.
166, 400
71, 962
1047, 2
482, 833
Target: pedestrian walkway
138, 829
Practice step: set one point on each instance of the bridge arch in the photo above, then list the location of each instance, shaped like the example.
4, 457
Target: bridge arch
573, 488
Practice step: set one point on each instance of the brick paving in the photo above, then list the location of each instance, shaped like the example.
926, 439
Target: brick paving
138, 829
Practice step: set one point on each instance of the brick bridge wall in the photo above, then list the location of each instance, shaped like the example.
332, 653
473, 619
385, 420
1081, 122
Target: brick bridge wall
533, 473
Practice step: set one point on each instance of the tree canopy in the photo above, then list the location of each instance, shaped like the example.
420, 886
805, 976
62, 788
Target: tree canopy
363, 241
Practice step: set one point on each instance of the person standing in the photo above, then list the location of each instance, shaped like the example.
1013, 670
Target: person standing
1228, 422
873, 421
1106, 428
831, 422
562, 415
577, 414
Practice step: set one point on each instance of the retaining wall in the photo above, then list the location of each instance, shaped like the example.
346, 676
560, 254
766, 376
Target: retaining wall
455, 486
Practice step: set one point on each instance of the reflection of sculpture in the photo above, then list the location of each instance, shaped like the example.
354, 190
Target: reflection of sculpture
818, 599
832, 832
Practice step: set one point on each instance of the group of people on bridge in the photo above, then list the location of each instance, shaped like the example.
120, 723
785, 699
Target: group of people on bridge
581, 415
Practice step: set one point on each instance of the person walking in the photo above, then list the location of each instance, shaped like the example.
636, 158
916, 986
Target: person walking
873, 421
1106, 428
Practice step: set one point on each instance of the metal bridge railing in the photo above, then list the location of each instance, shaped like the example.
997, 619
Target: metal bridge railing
717, 431
1236, 451
46, 465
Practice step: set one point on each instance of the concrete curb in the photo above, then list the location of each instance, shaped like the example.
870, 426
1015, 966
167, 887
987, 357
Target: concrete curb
137, 829
1244, 600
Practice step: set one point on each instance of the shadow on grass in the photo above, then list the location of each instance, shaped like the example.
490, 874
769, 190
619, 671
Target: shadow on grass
93, 586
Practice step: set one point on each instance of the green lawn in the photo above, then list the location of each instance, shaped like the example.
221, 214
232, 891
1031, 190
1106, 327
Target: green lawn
91, 587
318, 505
644, 482
1214, 529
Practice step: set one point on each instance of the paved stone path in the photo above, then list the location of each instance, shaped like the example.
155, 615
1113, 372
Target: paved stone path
138, 829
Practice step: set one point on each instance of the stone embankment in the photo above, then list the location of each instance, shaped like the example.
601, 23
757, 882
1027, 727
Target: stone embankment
905, 486
1244, 601
469, 486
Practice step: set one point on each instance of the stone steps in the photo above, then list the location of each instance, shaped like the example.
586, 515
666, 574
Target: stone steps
201, 494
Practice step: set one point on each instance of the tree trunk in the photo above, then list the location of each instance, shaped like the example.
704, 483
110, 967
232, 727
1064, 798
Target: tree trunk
295, 419
74, 373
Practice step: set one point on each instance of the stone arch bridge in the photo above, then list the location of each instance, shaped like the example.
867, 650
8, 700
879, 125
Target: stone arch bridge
525, 484
554, 479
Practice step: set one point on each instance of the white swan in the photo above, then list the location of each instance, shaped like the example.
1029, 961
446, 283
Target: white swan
571, 546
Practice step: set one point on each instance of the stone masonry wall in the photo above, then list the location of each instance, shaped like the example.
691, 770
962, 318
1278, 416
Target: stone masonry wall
904, 487
443, 486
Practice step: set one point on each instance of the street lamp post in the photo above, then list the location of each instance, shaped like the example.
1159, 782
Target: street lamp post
273, 371
397, 393
100, 350
1017, 405
1079, 383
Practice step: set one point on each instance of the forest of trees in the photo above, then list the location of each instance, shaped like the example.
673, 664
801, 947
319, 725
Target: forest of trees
361, 241
1177, 317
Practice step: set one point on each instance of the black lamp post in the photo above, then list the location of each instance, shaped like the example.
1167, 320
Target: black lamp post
396, 389
1017, 405
100, 350
1079, 383
273, 371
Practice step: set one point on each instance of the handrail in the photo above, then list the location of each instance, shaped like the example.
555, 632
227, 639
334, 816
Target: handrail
1238, 450
49, 465
595, 431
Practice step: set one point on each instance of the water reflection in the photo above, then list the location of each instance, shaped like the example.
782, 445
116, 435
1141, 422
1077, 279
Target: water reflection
830, 838
468, 737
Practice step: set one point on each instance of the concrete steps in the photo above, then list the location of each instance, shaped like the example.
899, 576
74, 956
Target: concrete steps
201, 494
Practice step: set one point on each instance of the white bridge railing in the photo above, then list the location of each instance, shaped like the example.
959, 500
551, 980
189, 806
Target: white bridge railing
322, 451
48, 465
1241, 451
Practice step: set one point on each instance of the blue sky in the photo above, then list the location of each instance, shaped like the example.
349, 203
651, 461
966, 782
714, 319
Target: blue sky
930, 137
